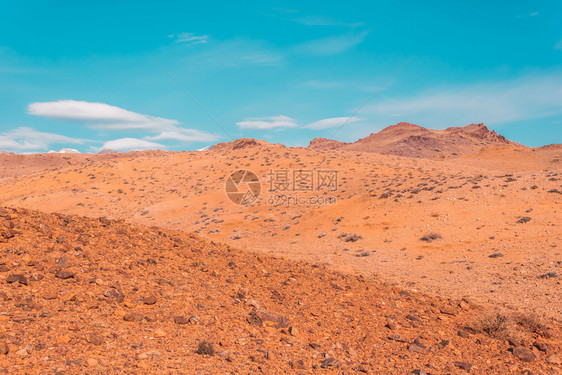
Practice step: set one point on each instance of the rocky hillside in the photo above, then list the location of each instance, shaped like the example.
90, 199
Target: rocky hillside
90, 296
326, 144
411, 140
244, 143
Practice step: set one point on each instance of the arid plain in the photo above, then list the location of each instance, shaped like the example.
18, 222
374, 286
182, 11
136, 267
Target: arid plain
449, 227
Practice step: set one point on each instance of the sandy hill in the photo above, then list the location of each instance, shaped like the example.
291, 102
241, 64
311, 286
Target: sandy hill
85, 295
411, 140
498, 222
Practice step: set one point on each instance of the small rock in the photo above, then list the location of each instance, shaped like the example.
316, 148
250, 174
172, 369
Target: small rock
94, 339
524, 354
391, 325
15, 277
64, 339
92, 362
443, 344
397, 337
330, 362
293, 331
132, 317
4, 348
22, 352
449, 310
463, 334
463, 365
153, 354
541, 345
159, 333
415, 348
63, 261
297, 365
553, 359
114, 294
36, 277
64, 274
495, 255
150, 300
260, 315
49, 295
180, 319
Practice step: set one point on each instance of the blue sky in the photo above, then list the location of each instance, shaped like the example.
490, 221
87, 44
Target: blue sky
87, 75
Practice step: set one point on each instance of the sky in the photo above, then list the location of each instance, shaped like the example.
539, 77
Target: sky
181, 75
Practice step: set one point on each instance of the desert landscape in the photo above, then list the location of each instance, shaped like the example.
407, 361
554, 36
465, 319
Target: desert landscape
425, 252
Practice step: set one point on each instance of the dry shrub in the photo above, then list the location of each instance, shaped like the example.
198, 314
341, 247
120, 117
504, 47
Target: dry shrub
509, 325
533, 323
495, 324
205, 347
428, 237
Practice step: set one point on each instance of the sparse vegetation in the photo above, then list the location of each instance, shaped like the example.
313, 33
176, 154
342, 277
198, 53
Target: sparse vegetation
430, 237
509, 326
205, 348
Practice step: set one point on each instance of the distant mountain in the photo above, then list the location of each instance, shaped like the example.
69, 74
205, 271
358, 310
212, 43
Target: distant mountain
244, 143
405, 139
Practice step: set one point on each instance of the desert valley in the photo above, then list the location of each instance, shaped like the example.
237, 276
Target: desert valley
425, 252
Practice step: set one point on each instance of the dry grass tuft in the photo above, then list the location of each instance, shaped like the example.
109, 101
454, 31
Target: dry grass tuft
505, 325
205, 347
429, 237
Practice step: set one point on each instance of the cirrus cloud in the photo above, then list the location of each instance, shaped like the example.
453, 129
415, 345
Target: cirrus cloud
99, 115
132, 144
499, 102
332, 45
184, 135
189, 38
108, 117
331, 122
24, 139
264, 123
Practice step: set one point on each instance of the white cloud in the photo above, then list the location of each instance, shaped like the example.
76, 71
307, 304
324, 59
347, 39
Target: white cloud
262, 123
189, 38
331, 122
333, 44
99, 115
185, 135
25, 139
132, 144
530, 97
